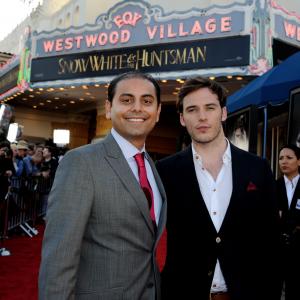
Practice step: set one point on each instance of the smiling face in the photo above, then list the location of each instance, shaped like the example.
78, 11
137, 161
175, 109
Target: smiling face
202, 116
134, 109
289, 163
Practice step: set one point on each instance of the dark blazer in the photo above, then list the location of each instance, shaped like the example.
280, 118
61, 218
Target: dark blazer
290, 217
99, 241
246, 244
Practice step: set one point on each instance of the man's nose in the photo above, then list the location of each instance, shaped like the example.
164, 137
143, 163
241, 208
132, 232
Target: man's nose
202, 115
137, 106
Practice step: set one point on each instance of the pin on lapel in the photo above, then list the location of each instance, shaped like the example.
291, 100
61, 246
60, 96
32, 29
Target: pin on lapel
251, 187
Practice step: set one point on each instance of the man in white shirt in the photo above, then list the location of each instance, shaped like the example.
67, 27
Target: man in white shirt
107, 207
222, 219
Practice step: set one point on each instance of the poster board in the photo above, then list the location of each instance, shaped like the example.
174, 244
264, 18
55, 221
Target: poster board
241, 129
294, 118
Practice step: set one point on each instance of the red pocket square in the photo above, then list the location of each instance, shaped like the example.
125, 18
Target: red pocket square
251, 187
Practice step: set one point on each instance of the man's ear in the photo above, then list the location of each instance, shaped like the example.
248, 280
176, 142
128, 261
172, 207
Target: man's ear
158, 112
107, 109
182, 120
224, 113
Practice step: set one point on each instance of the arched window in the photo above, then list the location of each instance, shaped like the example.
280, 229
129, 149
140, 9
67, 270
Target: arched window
68, 20
76, 16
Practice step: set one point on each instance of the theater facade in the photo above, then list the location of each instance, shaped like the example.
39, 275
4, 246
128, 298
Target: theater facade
59, 79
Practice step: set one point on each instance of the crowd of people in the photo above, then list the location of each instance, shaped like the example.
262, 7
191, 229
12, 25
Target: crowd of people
21, 162
27, 159
233, 232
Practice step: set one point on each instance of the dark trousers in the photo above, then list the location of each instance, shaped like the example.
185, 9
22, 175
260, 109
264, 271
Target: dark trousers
291, 271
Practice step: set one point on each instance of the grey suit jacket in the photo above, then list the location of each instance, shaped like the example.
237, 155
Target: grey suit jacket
99, 241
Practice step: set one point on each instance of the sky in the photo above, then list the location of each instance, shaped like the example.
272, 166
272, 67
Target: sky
12, 13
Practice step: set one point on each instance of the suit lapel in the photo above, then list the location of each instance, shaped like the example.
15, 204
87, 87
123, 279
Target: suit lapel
163, 211
118, 163
296, 195
239, 183
284, 194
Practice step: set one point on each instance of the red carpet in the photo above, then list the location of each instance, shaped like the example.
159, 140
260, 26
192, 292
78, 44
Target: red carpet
19, 271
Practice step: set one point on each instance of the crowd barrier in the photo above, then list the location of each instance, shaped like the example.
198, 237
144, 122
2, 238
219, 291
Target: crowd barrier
24, 203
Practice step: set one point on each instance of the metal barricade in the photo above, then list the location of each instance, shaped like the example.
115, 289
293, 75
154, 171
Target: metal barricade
24, 203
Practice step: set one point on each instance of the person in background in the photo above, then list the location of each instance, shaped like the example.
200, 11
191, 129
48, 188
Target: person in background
107, 207
31, 149
32, 164
223, 218
21, 150
50, 163
288, 187
6, 171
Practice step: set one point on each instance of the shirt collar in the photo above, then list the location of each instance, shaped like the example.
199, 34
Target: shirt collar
294, 181
226, 155
128, 149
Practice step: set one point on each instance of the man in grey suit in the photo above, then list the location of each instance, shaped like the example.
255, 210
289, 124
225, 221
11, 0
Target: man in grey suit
100, 239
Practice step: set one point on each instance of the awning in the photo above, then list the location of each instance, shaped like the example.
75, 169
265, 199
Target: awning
271, 88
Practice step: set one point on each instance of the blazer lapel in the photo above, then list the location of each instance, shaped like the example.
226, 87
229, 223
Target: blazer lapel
296, 195
163, 211
284, 203
118, 163
239, 183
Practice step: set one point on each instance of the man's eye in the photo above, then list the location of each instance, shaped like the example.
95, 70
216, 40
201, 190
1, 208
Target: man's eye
148, 100
210, 108
125, 100
189, 110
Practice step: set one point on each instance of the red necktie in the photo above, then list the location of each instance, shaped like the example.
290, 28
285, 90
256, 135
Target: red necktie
161, 250
139, 158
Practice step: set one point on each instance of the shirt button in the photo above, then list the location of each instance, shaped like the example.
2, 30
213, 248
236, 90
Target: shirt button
214, 213
197, 157
214, 285
214, 190
218, 240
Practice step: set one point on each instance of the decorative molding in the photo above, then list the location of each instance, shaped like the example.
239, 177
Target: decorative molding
274, 5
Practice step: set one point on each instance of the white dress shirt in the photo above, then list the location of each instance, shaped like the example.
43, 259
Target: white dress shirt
216, 195
129, 151
290, 186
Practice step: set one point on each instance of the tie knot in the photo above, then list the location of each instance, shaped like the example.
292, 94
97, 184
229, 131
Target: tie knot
139, 158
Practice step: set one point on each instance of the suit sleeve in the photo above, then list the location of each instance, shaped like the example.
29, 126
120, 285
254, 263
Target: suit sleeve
69, 207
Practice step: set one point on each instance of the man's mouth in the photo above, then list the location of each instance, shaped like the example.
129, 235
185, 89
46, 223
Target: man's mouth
135, 120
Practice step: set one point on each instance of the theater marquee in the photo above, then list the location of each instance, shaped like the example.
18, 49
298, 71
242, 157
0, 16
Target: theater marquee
158, 58
136, 23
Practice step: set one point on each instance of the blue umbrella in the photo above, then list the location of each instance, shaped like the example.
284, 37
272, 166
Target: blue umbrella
271, 88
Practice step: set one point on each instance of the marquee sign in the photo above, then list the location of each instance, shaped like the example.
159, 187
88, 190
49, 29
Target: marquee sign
157, 58
136, 23
286, 24
288, 30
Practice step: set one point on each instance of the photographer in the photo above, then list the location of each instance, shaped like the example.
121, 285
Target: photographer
6, 171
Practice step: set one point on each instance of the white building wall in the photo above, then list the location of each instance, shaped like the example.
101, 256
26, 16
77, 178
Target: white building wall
39, 124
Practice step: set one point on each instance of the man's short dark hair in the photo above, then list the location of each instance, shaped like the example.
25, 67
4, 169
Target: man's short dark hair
199, 82
135, 74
